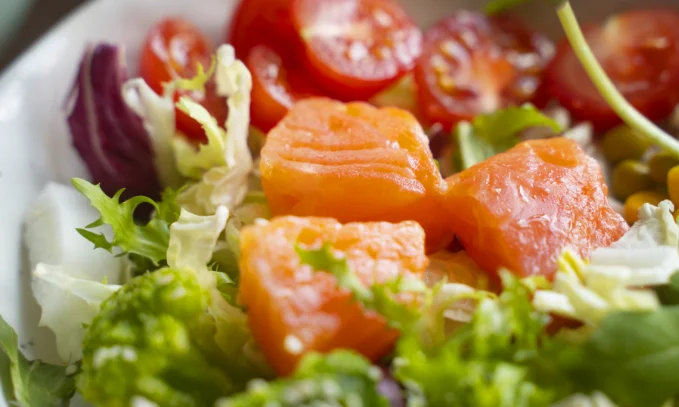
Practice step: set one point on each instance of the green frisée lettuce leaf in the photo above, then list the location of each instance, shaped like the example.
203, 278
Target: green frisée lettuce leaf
171, 336
494, 133
68, 305
149, 241
501, 358
380, 298
340, 378
31, 383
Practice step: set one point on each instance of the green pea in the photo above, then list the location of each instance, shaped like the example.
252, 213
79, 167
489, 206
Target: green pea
623, 143
660, 165
629, 177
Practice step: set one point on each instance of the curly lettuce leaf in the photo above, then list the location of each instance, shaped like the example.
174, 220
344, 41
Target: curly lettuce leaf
68, 305
31, 383
50, 236
193, 240
380, 298
108, 135
149, 241
224, 165
494, 133
501, 358
614, 277
340, 378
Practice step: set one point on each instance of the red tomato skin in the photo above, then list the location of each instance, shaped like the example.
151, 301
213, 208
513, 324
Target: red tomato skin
263, 22
478, 57
277, 83
653, 92
173, 48
359, 67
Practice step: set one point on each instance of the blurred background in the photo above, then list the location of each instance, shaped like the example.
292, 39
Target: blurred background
24, 21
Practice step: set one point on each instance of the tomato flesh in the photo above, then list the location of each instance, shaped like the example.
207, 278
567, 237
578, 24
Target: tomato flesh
277, 83
173, 49
639, 50
473, 64
355, 48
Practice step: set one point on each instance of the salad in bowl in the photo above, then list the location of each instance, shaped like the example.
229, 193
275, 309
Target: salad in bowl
336, 207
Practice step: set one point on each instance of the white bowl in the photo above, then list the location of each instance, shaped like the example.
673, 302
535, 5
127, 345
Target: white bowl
34, 140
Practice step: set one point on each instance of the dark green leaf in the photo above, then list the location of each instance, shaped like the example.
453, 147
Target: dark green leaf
669, 293
497, 132
31, 384
634, 357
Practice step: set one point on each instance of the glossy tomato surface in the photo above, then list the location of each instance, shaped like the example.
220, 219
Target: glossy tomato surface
473, 64
355, 48
263, 22
639, 50
173, 49
277, 83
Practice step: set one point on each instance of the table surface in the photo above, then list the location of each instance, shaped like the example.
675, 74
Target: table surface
42, 16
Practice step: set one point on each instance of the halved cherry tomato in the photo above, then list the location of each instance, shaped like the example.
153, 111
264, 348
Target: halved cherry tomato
355, 48
173, 49
639, 50
263, 22
473, 64
276, 86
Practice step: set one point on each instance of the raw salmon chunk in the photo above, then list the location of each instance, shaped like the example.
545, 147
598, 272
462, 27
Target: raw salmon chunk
355, 163
293, 309
519, 209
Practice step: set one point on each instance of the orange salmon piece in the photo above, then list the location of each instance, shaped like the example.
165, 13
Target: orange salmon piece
293, 309
355, 163
519, 209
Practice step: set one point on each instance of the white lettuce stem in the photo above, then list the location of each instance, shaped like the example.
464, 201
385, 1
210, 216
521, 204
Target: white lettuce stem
607, 89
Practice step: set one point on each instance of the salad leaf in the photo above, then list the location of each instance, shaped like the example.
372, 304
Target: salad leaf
634, 357
669, 293
501, 358
50, 236
152, 339
31, 383
108, 135
152, 329
498, 6
340, 378
225, 163
158, 116
646, 255
68, 305
497, 132
597, 399
378, 297
149, 241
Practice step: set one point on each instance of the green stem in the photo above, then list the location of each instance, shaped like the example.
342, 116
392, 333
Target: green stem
607, 89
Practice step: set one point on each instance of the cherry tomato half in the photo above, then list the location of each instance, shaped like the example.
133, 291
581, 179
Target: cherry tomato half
473, 64
263, 22
173, 49
355, 48
639, 50
277, 83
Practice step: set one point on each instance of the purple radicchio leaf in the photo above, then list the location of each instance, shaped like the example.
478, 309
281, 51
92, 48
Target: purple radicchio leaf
110, 137
390, 388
